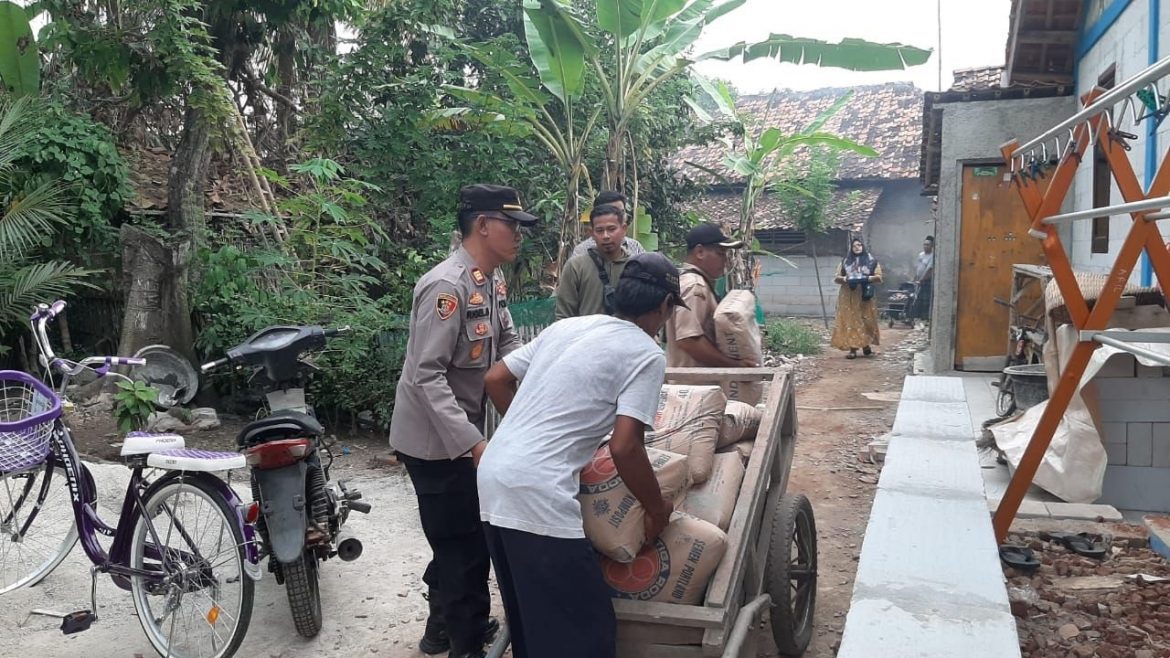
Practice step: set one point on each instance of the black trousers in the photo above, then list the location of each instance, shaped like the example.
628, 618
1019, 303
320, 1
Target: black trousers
922, 301
557, 603
448, 504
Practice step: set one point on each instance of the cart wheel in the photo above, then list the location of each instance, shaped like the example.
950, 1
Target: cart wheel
792, 574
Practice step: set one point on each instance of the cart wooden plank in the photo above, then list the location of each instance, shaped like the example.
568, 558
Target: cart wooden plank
750, 505
653, 612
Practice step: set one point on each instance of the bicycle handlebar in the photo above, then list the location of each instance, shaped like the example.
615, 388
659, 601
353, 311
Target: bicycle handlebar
212, 365
330, 333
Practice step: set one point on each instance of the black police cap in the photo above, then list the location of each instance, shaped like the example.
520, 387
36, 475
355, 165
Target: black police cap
498, 199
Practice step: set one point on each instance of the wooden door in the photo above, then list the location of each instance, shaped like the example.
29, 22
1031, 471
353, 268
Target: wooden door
993, 236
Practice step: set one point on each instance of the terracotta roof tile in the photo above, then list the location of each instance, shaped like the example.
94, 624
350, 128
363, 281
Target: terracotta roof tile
851, 213
885, 117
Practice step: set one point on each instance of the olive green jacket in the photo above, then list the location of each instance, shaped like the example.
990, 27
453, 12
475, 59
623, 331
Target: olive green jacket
580, 291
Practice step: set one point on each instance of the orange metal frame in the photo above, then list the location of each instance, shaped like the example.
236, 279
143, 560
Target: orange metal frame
1143, 235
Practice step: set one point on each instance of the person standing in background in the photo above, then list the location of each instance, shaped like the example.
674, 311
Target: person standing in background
857, 318
924, 277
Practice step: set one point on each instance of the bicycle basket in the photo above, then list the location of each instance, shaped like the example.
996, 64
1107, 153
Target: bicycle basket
27, 411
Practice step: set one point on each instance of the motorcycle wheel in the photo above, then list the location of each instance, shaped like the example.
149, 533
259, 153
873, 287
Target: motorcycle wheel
304, 593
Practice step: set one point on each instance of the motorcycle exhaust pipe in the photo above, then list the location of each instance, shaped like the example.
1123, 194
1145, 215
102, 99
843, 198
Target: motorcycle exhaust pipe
349, 547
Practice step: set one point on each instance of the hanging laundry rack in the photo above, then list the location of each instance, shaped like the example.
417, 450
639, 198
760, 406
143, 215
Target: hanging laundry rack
1104, 114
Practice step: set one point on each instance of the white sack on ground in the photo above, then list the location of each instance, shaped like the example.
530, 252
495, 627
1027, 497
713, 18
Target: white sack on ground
612, 516
1073, 469
687, 422
738, 336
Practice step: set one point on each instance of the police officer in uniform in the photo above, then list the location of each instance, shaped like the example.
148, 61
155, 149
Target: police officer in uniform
459, 327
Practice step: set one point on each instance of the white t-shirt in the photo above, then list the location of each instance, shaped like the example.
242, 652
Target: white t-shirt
576, 378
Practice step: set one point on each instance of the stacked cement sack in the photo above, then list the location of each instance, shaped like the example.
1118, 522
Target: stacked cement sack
687, 422
614, 520
674, 568
741, 421
737, 334
714, 500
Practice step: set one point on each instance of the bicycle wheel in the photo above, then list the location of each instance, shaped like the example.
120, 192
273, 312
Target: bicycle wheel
37, 525
200, 604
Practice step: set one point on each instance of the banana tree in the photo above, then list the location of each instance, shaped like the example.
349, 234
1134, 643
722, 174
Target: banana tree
20, 63
559, 49
757, 161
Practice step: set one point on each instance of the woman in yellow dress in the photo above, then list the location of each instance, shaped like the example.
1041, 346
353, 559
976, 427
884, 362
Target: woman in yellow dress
857, 316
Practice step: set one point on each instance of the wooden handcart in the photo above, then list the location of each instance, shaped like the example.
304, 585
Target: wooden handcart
771, 561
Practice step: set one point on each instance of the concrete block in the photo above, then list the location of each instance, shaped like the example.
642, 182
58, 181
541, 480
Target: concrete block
1083, 512
1159, 528
1136, 488
1029, 509
1117, 453
1150, 371
1118, 365
1145, 389
1137, 411
1139, 444
1113, 433
1161, 445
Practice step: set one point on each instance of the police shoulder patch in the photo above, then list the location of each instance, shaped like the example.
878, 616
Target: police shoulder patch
446, 305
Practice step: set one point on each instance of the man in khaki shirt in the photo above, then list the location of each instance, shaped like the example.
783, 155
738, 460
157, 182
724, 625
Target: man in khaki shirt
690, 333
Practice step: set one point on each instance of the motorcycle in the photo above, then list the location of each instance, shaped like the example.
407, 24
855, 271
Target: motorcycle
300, 513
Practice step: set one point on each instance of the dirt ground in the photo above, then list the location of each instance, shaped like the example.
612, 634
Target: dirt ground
374, 606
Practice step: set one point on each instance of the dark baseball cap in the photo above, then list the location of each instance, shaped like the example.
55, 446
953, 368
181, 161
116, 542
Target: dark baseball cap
657, 270
498, 199
709, 234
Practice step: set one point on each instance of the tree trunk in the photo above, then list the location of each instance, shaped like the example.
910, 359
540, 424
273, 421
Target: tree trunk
155, 277
820, 289
285, 115
155, 271
187, 179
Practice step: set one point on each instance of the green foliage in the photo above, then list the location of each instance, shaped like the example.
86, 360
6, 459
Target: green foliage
80, 152
20, 63
133, 403
790, 338
805, 189
30, 216
325, 273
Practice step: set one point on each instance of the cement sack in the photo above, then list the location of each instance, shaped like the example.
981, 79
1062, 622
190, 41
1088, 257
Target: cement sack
738, 336
687, 422
613, 517
714, 500
675, 568
742, 448
741, 421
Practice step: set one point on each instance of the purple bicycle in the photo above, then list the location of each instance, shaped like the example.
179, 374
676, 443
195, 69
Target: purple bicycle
182, 546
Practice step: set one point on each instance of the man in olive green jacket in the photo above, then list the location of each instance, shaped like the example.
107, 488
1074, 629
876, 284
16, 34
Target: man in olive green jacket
582, 288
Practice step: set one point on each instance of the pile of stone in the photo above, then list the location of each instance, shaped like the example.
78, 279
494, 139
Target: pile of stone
1117, 607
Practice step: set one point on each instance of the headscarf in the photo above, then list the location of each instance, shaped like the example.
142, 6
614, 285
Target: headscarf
863, 263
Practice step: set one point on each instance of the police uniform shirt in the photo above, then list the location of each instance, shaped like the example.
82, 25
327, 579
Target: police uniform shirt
459, 326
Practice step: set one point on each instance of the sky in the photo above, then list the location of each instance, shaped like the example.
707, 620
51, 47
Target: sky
974, 34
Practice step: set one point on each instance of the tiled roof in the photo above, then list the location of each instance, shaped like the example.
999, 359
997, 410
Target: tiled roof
886, 117
851, 209
984, 77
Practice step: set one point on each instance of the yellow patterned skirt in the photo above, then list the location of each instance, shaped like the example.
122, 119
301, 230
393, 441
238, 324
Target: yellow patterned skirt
857, 321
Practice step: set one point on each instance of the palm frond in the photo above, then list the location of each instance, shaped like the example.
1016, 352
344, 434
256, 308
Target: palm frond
29, 218
24, 286
15, 129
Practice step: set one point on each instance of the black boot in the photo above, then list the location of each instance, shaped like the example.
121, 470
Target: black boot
435, 638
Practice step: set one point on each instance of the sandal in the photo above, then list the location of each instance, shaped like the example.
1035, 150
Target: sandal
1020, 558
851, 355
1081, 543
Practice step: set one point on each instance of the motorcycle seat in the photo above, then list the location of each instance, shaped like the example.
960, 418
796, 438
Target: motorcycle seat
282, 424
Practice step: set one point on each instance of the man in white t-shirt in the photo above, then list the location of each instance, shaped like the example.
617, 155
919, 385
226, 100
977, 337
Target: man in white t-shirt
581, 379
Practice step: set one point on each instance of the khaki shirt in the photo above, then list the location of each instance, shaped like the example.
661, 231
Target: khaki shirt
459, 326
699, 320
580, 291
